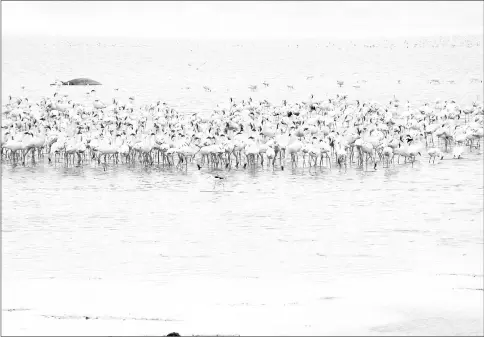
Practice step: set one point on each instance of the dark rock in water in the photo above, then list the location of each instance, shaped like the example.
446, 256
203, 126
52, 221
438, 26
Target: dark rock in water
81, 81
173, 334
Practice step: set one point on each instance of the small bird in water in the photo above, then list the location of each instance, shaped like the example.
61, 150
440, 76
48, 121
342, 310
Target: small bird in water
198, 68
219, 180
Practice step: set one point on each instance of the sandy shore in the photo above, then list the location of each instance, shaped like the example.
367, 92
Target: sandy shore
397, 304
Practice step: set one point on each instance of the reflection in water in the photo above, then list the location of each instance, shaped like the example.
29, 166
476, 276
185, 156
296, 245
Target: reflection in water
279, 239
84, 222
281, 242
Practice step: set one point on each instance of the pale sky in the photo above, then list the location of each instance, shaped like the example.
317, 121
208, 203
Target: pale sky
243, 19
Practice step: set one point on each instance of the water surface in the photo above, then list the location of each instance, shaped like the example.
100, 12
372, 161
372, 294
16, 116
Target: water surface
292, 229
145, 251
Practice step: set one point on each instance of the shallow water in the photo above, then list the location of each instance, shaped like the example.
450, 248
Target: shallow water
175, 71
399, 250
102, 224
157, 228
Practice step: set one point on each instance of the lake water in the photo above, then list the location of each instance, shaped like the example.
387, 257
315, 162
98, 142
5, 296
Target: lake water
147, 251
152, 70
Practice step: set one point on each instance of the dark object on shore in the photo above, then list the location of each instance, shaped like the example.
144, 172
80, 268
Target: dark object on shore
173, 334
81, 81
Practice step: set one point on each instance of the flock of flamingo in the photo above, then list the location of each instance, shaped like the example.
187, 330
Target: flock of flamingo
249, 134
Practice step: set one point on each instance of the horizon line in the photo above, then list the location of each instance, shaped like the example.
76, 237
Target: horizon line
276, 37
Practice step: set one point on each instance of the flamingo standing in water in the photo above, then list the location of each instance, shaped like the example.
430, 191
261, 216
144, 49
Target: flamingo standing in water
258, 130
293, 148
434, 153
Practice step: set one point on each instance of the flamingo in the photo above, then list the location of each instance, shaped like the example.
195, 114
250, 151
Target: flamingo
434, 153
387, 154
259, 130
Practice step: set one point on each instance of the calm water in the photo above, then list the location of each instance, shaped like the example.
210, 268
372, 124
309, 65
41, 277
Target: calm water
296, 235
87, 223
373, 252
152, 70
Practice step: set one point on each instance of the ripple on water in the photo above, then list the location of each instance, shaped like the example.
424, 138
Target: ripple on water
88, 213
154, 224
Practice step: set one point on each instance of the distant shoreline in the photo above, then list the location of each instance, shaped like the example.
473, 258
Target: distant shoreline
321, 38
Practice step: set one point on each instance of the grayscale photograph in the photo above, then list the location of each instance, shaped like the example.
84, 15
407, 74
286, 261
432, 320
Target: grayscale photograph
242, 168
